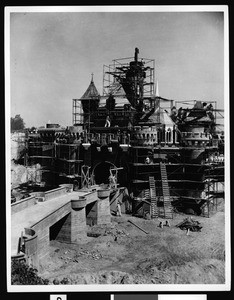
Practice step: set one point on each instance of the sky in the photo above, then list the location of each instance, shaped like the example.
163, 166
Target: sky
52, 56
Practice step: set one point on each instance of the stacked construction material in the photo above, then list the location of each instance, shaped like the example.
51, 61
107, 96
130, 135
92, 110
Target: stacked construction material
189, 223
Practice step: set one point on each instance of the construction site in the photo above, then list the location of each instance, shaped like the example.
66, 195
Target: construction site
104, 199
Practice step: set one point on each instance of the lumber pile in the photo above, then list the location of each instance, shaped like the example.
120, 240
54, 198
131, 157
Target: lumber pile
189, 224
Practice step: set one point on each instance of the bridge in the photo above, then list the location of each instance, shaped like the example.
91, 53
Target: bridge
60, 214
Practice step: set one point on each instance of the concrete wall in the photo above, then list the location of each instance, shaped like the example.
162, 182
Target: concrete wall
61, 230
72, 227
67, 224
22, 204
55, 193
30, 201
31, 247
42, 229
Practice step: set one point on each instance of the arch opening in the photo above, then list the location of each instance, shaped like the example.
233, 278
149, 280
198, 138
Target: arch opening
101, 172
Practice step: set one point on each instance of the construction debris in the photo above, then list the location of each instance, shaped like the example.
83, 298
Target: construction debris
190, 225
93, 234
92, 254
115, 232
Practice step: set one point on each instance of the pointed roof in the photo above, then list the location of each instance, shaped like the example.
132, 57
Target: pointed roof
91, 91
161, 116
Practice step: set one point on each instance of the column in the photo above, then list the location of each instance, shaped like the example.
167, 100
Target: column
78, 220
103, 207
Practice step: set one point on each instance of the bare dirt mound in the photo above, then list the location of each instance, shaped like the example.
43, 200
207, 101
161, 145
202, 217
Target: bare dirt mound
122, 254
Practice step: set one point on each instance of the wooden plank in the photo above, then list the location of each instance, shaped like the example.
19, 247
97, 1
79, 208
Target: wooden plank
138, 226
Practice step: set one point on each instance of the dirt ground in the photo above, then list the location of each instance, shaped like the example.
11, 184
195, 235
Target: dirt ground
122, 254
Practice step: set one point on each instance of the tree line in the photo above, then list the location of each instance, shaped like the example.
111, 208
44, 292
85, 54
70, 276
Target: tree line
17, 123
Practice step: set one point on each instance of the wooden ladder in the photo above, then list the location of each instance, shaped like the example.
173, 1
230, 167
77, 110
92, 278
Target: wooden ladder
152, 194
168, 210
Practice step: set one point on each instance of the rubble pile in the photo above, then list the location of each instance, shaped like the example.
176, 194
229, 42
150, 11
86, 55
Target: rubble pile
82, 254
116, 232
91, 254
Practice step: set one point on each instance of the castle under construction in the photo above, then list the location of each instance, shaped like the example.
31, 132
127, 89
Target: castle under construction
168, 154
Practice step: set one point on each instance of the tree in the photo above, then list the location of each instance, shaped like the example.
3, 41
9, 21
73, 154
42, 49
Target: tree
17, 123
32, 129
21, 273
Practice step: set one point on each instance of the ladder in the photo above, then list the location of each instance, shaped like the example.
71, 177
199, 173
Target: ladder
168, 210
147, 194
152, 194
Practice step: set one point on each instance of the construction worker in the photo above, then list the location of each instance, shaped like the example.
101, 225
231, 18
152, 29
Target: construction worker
108, 123
203, 194
148, 160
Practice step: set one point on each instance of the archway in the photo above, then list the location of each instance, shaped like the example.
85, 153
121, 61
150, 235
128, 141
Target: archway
101, 172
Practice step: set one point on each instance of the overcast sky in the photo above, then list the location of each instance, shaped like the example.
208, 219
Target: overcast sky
53, 55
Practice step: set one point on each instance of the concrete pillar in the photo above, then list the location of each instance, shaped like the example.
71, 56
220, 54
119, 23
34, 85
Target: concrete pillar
103, 207
78, 220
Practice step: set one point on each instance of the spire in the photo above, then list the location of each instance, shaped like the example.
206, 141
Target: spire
91, 91
157, 89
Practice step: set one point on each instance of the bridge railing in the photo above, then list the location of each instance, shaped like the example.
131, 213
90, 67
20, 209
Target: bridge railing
39, 196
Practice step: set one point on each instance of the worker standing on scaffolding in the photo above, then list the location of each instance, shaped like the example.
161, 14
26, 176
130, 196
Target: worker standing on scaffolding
108, 123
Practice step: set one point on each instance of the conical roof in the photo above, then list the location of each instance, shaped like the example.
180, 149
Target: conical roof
162, 117
91, 91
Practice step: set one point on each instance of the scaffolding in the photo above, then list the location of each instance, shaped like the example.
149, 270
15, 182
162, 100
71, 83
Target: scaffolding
194, 176
77, 112
111, 85
114, 177
42, 153
57, 159
137, 126
218, 113
68, 160
86, 177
